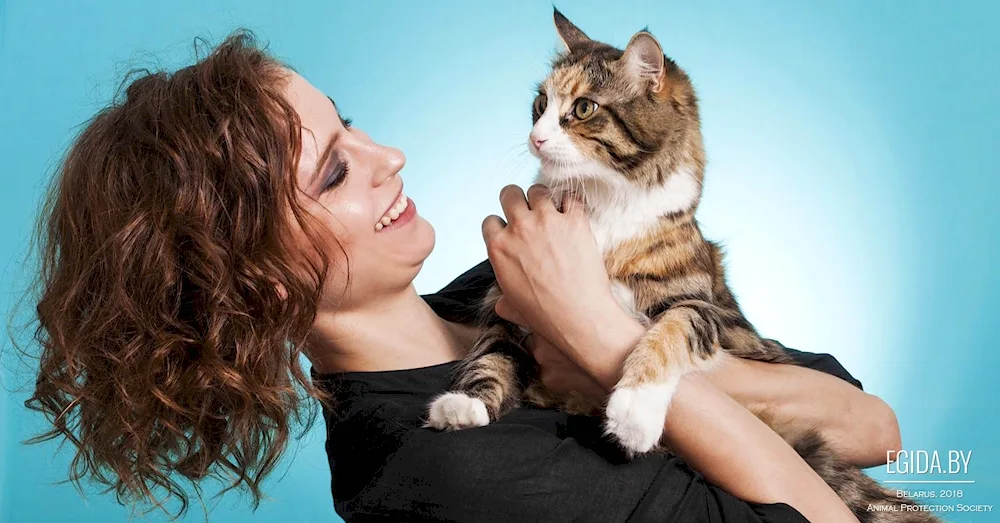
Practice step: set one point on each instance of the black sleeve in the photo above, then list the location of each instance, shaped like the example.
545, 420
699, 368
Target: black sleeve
823, 363
514, 470
459, 300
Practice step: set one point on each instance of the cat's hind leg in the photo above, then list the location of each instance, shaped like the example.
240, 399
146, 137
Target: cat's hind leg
682, 339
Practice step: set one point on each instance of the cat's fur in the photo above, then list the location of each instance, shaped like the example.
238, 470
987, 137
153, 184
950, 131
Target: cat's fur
638, 161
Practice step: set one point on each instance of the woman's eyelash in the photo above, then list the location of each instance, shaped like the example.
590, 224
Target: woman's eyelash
346, 122
337, 177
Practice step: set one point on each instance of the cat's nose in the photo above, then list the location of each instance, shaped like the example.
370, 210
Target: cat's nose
538, 142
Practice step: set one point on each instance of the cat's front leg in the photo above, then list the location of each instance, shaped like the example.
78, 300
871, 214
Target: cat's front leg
487, 384
456, 411
680, 340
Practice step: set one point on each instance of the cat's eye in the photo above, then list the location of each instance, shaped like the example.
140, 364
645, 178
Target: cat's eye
584, 108
541, 102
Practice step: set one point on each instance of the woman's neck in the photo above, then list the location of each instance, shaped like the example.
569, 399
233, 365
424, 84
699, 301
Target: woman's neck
398, 332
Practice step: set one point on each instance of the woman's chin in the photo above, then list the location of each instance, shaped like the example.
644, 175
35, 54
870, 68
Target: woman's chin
424, 238
412, 248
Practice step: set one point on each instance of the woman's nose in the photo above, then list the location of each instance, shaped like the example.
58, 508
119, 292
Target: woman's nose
391, 162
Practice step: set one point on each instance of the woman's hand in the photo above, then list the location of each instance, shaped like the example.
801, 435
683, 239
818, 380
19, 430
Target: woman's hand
549, 267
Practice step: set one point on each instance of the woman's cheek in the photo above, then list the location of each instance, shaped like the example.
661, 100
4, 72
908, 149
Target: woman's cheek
354, 217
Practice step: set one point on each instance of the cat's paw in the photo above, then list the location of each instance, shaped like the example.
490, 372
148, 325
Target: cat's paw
635, 415
456, 411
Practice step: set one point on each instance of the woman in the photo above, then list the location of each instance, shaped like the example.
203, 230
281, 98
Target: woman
219, 222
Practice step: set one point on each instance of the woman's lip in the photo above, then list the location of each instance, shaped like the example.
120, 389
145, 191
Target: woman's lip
404, 218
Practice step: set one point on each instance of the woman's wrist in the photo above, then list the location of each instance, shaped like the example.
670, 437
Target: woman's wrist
600, 342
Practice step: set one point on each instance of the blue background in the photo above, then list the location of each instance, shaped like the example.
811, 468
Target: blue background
852, 174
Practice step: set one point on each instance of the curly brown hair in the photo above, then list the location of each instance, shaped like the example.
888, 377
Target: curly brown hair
168, 352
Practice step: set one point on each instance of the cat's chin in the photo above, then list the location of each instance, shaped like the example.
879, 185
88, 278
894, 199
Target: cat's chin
569, 174
556, 185
560, 175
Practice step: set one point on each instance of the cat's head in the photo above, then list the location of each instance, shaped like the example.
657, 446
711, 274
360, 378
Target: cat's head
615, 117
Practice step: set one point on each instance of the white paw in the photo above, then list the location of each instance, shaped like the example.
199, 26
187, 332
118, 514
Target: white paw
456, 411
636, 415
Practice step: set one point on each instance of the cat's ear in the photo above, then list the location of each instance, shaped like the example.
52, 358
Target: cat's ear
568, 33
643, 60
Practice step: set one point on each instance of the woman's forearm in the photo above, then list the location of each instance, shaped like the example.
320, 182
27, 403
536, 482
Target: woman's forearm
715, 434
739, 453
859, 426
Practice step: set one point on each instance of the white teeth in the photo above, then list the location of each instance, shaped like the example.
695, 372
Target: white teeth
393, 213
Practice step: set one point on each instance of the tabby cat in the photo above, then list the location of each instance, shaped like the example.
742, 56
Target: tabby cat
621, 128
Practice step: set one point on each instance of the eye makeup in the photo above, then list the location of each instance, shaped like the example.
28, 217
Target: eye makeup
336, 177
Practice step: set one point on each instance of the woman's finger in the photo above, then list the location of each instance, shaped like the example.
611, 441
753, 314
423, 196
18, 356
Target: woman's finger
513, 201
492, 226
529, 343
539, 197
505, 311
537, 349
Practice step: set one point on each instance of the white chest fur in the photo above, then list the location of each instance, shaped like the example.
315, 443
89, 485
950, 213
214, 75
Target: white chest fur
619, 211
624, 211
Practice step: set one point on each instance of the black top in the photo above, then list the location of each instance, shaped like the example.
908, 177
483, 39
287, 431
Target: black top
531, 465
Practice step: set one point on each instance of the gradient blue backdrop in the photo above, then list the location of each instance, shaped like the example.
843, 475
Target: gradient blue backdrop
852, 174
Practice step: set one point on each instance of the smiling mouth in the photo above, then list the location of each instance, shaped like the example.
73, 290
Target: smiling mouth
393, 213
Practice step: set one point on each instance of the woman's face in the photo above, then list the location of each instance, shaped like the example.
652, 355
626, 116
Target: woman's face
352, 185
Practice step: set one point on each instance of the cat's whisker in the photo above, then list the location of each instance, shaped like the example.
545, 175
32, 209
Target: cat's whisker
514, 161
515, 152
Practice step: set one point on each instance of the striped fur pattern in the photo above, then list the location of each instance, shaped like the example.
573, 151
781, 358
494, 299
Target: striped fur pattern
621, 129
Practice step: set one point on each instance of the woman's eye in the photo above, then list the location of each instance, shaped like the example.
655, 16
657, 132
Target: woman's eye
584, 108
541, 102
336, 177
